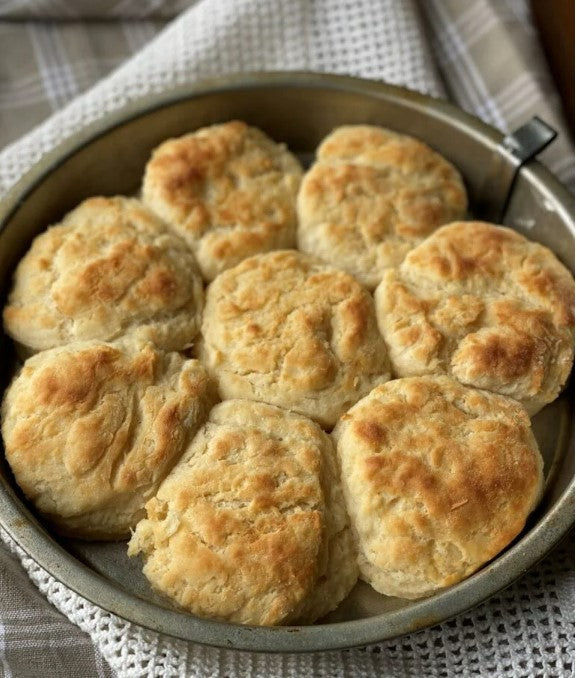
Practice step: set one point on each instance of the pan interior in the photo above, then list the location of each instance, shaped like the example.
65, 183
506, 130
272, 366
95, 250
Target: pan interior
300, 115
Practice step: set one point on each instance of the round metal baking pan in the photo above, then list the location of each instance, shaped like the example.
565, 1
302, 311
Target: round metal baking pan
108, 158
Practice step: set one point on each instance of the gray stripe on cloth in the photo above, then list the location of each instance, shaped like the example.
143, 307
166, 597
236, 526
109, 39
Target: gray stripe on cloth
6, 670
57, 75
494, 67
457, 53
36, 641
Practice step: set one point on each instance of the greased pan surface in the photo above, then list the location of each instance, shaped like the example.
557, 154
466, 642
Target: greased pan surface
108, 157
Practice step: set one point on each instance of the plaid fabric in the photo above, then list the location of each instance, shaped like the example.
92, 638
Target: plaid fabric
36, 641
43, 65
489, 56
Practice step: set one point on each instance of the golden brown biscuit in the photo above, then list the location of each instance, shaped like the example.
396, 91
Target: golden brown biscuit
91, 429
287, 329
111, 270
438, 479
373, 195
228, 189
485, 305
250, 525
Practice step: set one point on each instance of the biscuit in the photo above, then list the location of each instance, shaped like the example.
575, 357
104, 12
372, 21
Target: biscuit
438, 478
91, 429
250, 525
373, 195
285, 328
484, 305
228, 189
111, 270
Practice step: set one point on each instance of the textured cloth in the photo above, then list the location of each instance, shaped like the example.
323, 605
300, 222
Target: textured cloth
486, 52
528, 630
372, 38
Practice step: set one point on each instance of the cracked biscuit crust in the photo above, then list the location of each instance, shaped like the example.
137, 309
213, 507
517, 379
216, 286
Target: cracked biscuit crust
109, 271
228, 189
438, 479
372, 196
90, 430
485, 305
250, 525
287, 329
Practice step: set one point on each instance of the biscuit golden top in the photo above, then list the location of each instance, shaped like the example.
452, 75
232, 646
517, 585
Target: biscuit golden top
228, 189
287, 329
371, 196
91, 429
238, 530
482, 303
438, 479
110, 270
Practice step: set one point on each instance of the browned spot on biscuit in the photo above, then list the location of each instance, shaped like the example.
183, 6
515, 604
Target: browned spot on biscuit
371, 433
75, 385
183, 178
509, 358
160, 283
506, 355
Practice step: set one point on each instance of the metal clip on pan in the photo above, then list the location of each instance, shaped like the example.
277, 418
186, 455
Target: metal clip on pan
514, 151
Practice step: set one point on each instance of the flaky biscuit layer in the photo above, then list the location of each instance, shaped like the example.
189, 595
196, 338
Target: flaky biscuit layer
485, 305
287, 329
90, 430
250, 525
228, 189
371, 196
438, 479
